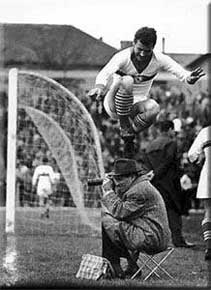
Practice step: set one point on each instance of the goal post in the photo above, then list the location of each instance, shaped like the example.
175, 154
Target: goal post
11, 150
46, 119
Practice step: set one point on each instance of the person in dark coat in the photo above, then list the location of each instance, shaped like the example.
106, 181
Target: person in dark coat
162, 159
134, 217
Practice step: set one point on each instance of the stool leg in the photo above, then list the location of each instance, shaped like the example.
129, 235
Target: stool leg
150, 258
134, 275
158, 266
144, 263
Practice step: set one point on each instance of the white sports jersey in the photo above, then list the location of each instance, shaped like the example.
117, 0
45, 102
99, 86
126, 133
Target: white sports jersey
44, 178
121, 61
202, 143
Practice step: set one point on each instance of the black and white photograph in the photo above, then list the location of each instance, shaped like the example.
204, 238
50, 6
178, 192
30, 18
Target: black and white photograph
105, 144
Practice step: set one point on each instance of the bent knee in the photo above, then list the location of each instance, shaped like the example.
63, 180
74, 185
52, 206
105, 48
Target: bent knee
116, 81
153, 106
150, 107
127, 83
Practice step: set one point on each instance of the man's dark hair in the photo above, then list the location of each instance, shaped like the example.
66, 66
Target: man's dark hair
146, 35
164, 126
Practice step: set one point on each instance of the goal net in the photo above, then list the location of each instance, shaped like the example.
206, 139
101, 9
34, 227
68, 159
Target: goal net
46, 121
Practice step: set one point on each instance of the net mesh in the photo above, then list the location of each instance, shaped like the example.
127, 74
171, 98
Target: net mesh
53, 123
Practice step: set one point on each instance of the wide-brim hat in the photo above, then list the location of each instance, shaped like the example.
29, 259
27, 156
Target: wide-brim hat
126, 167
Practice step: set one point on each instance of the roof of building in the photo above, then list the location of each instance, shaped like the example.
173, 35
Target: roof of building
60, 47
184, 58
198, 61
52, 46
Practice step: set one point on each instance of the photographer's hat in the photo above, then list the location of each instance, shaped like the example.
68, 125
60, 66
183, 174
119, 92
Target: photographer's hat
125, 167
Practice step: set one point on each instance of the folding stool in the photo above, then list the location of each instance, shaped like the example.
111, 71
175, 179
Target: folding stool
154, 264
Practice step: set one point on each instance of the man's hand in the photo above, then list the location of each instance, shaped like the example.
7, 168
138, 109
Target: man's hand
150, 174
201, 159
107, 185
195, 75
97, 92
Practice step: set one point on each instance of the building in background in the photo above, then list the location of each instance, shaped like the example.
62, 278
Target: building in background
61, 52
67, 54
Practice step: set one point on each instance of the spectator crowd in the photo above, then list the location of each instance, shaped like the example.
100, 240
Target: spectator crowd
180, 107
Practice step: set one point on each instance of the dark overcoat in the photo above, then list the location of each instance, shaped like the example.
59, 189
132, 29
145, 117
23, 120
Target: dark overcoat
162, 158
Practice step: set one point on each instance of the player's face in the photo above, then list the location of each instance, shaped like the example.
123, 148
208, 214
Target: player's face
142, 51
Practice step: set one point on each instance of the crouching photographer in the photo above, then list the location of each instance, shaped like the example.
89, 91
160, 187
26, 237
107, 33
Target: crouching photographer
134, 217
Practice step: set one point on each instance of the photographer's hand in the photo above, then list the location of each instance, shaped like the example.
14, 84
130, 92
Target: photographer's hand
107, 185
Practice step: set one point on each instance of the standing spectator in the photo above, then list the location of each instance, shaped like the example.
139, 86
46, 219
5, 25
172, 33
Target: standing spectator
199, 152
43, 179
162, 159
23, 177
134, 217
187, 192
189, 182
194, 174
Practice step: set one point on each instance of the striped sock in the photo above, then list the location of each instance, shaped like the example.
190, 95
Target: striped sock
141, 122
206, 228
123, 103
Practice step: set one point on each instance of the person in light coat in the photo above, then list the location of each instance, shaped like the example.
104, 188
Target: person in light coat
43, 179
200, 151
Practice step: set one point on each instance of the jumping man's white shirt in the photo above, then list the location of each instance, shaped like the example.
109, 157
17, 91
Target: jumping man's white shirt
122, 61
44, 178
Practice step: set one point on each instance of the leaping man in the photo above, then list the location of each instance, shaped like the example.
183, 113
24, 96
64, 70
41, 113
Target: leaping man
126, 79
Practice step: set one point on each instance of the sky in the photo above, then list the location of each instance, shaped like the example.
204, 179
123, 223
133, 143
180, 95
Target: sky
183, 23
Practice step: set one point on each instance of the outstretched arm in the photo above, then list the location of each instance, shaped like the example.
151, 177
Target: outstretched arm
195, 75
103, 77
170, 65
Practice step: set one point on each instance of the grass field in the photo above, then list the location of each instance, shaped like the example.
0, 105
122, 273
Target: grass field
48, 253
